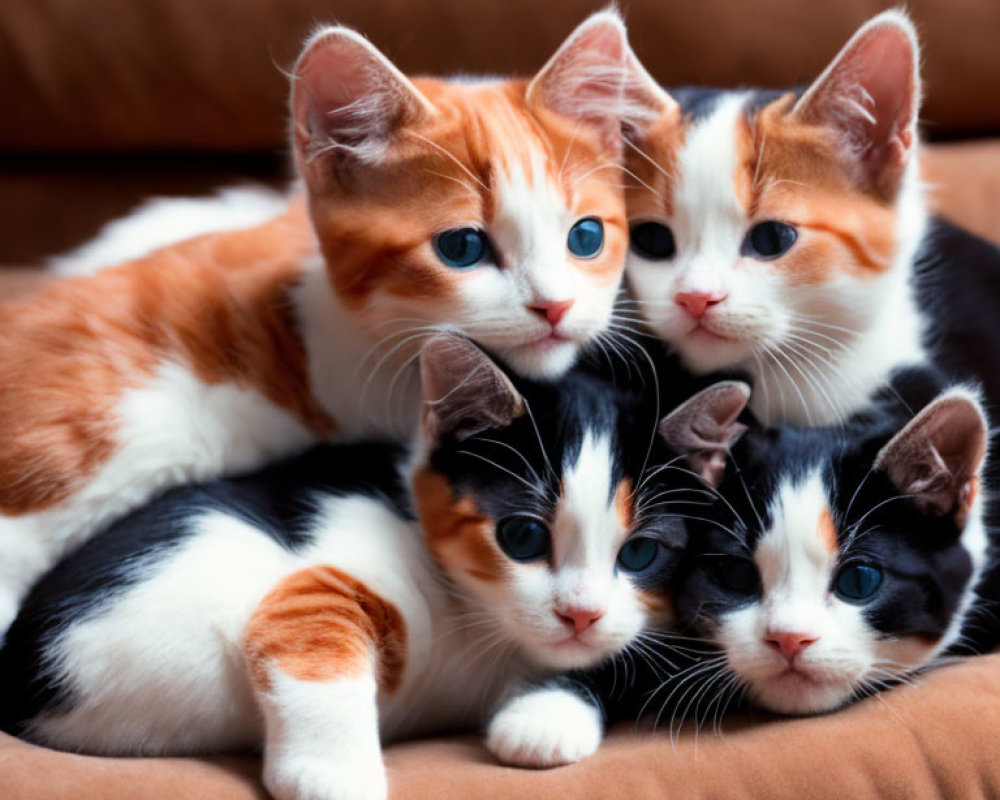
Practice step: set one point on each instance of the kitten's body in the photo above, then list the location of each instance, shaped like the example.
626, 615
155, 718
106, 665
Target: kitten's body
360, 585
162, 221
863, 285
219, 353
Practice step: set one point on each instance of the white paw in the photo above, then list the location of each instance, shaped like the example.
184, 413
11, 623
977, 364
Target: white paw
320, 779
544, 728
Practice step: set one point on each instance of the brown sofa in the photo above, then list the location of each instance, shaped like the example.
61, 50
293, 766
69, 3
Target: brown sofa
108, 101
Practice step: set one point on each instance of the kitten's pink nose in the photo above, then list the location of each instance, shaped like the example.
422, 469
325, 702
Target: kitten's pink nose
697, 303
580, 618
553, 310
789, 644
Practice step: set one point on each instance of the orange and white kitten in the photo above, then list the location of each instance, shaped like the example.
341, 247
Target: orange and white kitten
777, 233
491, 207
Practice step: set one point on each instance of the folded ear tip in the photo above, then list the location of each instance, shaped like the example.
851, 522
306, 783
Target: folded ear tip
740, 388
445, 352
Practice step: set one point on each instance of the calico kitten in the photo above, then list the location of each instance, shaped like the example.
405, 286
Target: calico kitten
489, 207
840, 560
359, 592
786, 235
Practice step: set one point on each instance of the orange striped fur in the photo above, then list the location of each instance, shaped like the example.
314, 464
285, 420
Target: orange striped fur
321, 624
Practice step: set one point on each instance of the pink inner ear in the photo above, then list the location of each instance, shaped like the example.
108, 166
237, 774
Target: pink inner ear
587, 73
595, 77
870, 95
348, 95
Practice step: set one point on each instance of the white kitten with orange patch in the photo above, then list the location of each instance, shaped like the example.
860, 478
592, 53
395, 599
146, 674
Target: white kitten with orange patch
483, 207
786, 235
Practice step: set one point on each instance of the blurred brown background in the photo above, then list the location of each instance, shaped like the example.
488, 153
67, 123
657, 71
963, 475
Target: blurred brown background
108, 101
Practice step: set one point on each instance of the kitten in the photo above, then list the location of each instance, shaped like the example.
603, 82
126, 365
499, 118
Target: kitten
838, 561
786, 235
488, 207
360, 593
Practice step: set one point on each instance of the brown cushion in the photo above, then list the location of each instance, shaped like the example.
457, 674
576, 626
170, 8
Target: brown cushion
935, 741
206, 74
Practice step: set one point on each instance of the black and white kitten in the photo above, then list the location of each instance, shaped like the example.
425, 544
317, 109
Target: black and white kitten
363, 593
839, 560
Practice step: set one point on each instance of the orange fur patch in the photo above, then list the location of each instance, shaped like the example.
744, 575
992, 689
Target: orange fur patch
216, 304
652, 168
657, 604
794, 173
624, 504
321, 624
457, 535
827, 531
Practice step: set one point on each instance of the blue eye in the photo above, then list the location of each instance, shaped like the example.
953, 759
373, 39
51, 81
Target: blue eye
638, 553
461, 248
736, 574
769, 240
523, 538
586, 238
857, 581
653, 241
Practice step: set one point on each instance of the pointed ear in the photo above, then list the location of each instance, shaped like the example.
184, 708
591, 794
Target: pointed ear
348, 99
704, 427
595, 77
870, 96
938, 456
464, 392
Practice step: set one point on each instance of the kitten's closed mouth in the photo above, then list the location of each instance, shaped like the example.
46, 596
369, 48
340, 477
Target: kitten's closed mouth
794, 676
551, 340
573, 642
701, 331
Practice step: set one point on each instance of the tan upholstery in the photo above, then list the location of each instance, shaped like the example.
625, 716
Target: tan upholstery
936, 741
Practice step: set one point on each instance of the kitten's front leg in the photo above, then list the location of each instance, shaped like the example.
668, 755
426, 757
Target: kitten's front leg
321, 739
319, 648
556, 723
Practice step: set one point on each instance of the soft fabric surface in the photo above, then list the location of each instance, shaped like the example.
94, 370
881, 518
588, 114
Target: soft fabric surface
934, 741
